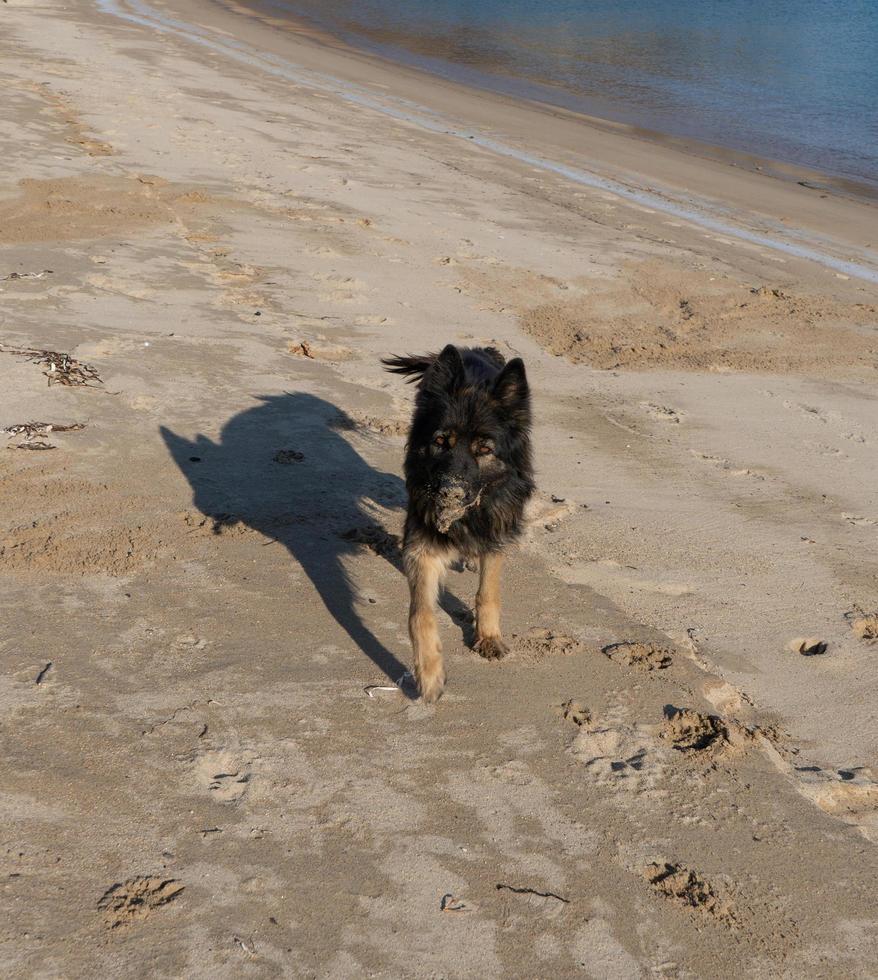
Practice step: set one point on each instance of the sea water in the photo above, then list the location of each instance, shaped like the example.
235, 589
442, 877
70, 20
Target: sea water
790, 80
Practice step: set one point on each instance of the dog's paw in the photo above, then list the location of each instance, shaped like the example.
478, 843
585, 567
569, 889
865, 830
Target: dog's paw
431, 684
491, 648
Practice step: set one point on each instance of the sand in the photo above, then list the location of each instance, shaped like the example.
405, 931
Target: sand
207, 768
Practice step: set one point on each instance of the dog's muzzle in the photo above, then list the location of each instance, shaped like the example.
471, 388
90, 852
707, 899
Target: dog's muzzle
453, 500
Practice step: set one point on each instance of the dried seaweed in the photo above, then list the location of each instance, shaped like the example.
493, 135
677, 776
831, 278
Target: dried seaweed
36, 434
26, 275
61, 368
31, 430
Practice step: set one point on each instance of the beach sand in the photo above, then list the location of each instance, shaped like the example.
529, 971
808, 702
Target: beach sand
204, 773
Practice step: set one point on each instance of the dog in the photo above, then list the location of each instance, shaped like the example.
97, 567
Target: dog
469, 474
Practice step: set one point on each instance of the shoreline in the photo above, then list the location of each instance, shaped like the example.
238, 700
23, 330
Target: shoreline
757, 207
529, 93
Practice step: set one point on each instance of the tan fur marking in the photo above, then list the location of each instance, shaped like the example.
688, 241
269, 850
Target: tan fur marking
425, 568
488, 596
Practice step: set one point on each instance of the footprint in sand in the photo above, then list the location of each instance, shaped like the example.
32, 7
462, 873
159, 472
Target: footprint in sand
375, 539
693, 891
314, 351
725, 697
136, 898
814, 413
323, 251
603, 573
858, 520
850, 794
661, 413
625, 757
223, 775
694, 733
373, 320
691, 731
539, 643
740, 906
548, 511
727, 466
635, 758
514, 772
354, 421
810, 412
132, 288
642, 656
341, 289
575, 712
864, 626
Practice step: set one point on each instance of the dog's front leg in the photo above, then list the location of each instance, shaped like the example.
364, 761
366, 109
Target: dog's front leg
489, 643
424, 569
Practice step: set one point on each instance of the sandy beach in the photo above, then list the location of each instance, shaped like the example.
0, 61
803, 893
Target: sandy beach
207, 770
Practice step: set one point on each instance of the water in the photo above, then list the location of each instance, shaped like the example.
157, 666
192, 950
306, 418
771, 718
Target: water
791, 80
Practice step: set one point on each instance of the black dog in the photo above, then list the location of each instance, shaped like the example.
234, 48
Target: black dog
468, 474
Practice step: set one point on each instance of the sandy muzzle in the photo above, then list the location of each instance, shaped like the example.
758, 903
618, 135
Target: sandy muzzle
452, 503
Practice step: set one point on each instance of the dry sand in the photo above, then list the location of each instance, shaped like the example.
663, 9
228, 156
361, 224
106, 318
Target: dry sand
203, 773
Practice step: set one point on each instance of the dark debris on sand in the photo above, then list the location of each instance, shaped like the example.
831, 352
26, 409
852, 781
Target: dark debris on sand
61, 369
36, 434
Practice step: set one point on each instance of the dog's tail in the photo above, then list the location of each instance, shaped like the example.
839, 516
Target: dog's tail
412, 366
479, 361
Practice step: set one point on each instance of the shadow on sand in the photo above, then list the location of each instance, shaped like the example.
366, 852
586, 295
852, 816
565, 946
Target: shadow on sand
317, 506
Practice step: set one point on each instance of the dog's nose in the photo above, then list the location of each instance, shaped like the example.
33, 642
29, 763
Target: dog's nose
455, 491
453, 499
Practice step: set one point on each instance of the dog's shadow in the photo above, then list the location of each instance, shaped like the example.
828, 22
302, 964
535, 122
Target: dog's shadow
284, 469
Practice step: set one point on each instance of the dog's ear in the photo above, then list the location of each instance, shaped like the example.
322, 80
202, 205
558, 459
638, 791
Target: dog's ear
511, 391
447, 373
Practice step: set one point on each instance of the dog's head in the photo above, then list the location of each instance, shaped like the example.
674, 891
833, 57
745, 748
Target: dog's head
470, 433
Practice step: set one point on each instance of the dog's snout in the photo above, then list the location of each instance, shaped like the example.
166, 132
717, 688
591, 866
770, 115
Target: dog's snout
455, 486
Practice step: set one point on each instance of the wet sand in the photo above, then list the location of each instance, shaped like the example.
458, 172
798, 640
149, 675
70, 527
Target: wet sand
202, 771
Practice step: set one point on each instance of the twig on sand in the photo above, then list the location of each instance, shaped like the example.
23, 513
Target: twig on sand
451, 904
42, 674
304, 349
312, 316
62, 369
532, 891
